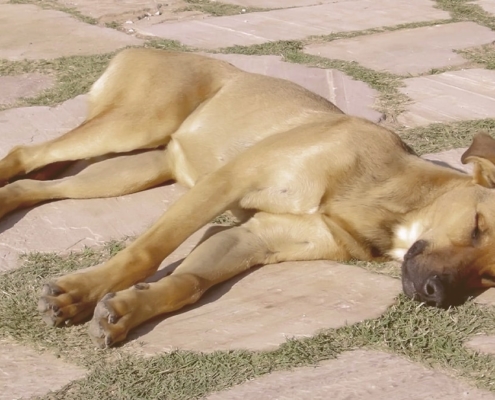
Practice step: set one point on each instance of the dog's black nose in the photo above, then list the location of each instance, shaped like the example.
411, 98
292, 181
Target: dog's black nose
433, 291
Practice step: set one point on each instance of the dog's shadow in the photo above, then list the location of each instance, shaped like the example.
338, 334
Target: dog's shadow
212, 295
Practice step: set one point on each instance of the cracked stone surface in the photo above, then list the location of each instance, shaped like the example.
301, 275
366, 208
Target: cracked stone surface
352, 97
26, 373
262, 308
409, 51
62, 34
482, 343
296, 23
450, 96
356, 375
487, 5
27, 85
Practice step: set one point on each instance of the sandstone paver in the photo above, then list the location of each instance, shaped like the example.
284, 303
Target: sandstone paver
25, 373
284, 4
450, 96
62, 35
351, 96
482, 343
486, 298
296, 23
27, 85
263, 308
409, 51
356, 375
487, 5
115, 7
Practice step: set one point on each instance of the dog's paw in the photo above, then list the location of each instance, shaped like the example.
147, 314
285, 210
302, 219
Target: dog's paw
60, 305
111, 320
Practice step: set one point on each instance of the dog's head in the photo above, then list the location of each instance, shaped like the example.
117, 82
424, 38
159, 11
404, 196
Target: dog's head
453, 253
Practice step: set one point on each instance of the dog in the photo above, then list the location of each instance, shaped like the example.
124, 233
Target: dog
304, 180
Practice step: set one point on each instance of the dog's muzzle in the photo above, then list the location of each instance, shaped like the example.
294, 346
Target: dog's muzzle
422, 283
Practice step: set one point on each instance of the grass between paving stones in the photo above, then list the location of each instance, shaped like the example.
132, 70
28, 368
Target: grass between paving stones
74, 74
430, 336
391, 100
53, 5
438, 137
483, 55
217, 8
466, 10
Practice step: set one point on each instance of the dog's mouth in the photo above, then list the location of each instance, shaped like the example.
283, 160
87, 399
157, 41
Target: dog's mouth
434, 290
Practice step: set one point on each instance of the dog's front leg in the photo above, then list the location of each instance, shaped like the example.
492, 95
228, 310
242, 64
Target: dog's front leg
264, 239
72, 298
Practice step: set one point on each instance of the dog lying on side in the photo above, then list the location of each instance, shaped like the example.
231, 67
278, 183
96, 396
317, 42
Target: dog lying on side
305, 181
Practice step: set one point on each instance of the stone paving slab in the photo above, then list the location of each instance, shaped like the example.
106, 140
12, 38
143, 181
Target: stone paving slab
98, 9
356, 375
261, 309
25, 373
296, 23
487, 5
482, 343
351, 96
19, 86
62, 35
282, 4
486, 298
409, 51
451, 96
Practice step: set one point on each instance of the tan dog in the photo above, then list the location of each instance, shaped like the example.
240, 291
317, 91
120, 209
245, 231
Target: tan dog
306, 181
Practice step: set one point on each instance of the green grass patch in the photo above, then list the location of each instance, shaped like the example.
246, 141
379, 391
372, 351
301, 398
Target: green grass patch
466, 10
19, 292
74, 76
430, 336
53, 5
427, 335
483, 55
438, 137
217, 8
352, 34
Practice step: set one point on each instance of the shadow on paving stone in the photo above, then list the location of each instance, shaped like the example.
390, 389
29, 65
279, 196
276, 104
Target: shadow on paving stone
263, 307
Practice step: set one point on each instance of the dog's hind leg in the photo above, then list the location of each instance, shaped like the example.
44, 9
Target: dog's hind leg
265, 239
107, 178
113, 132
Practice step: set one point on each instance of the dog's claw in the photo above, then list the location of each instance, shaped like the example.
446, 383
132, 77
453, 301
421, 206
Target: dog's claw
58, 306
107, 326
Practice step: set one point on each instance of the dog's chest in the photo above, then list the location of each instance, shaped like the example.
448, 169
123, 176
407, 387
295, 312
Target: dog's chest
404, 237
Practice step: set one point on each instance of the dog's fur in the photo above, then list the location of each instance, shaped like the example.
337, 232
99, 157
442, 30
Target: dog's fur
306, 181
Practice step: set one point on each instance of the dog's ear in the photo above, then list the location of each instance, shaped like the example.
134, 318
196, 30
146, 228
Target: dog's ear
482, 154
